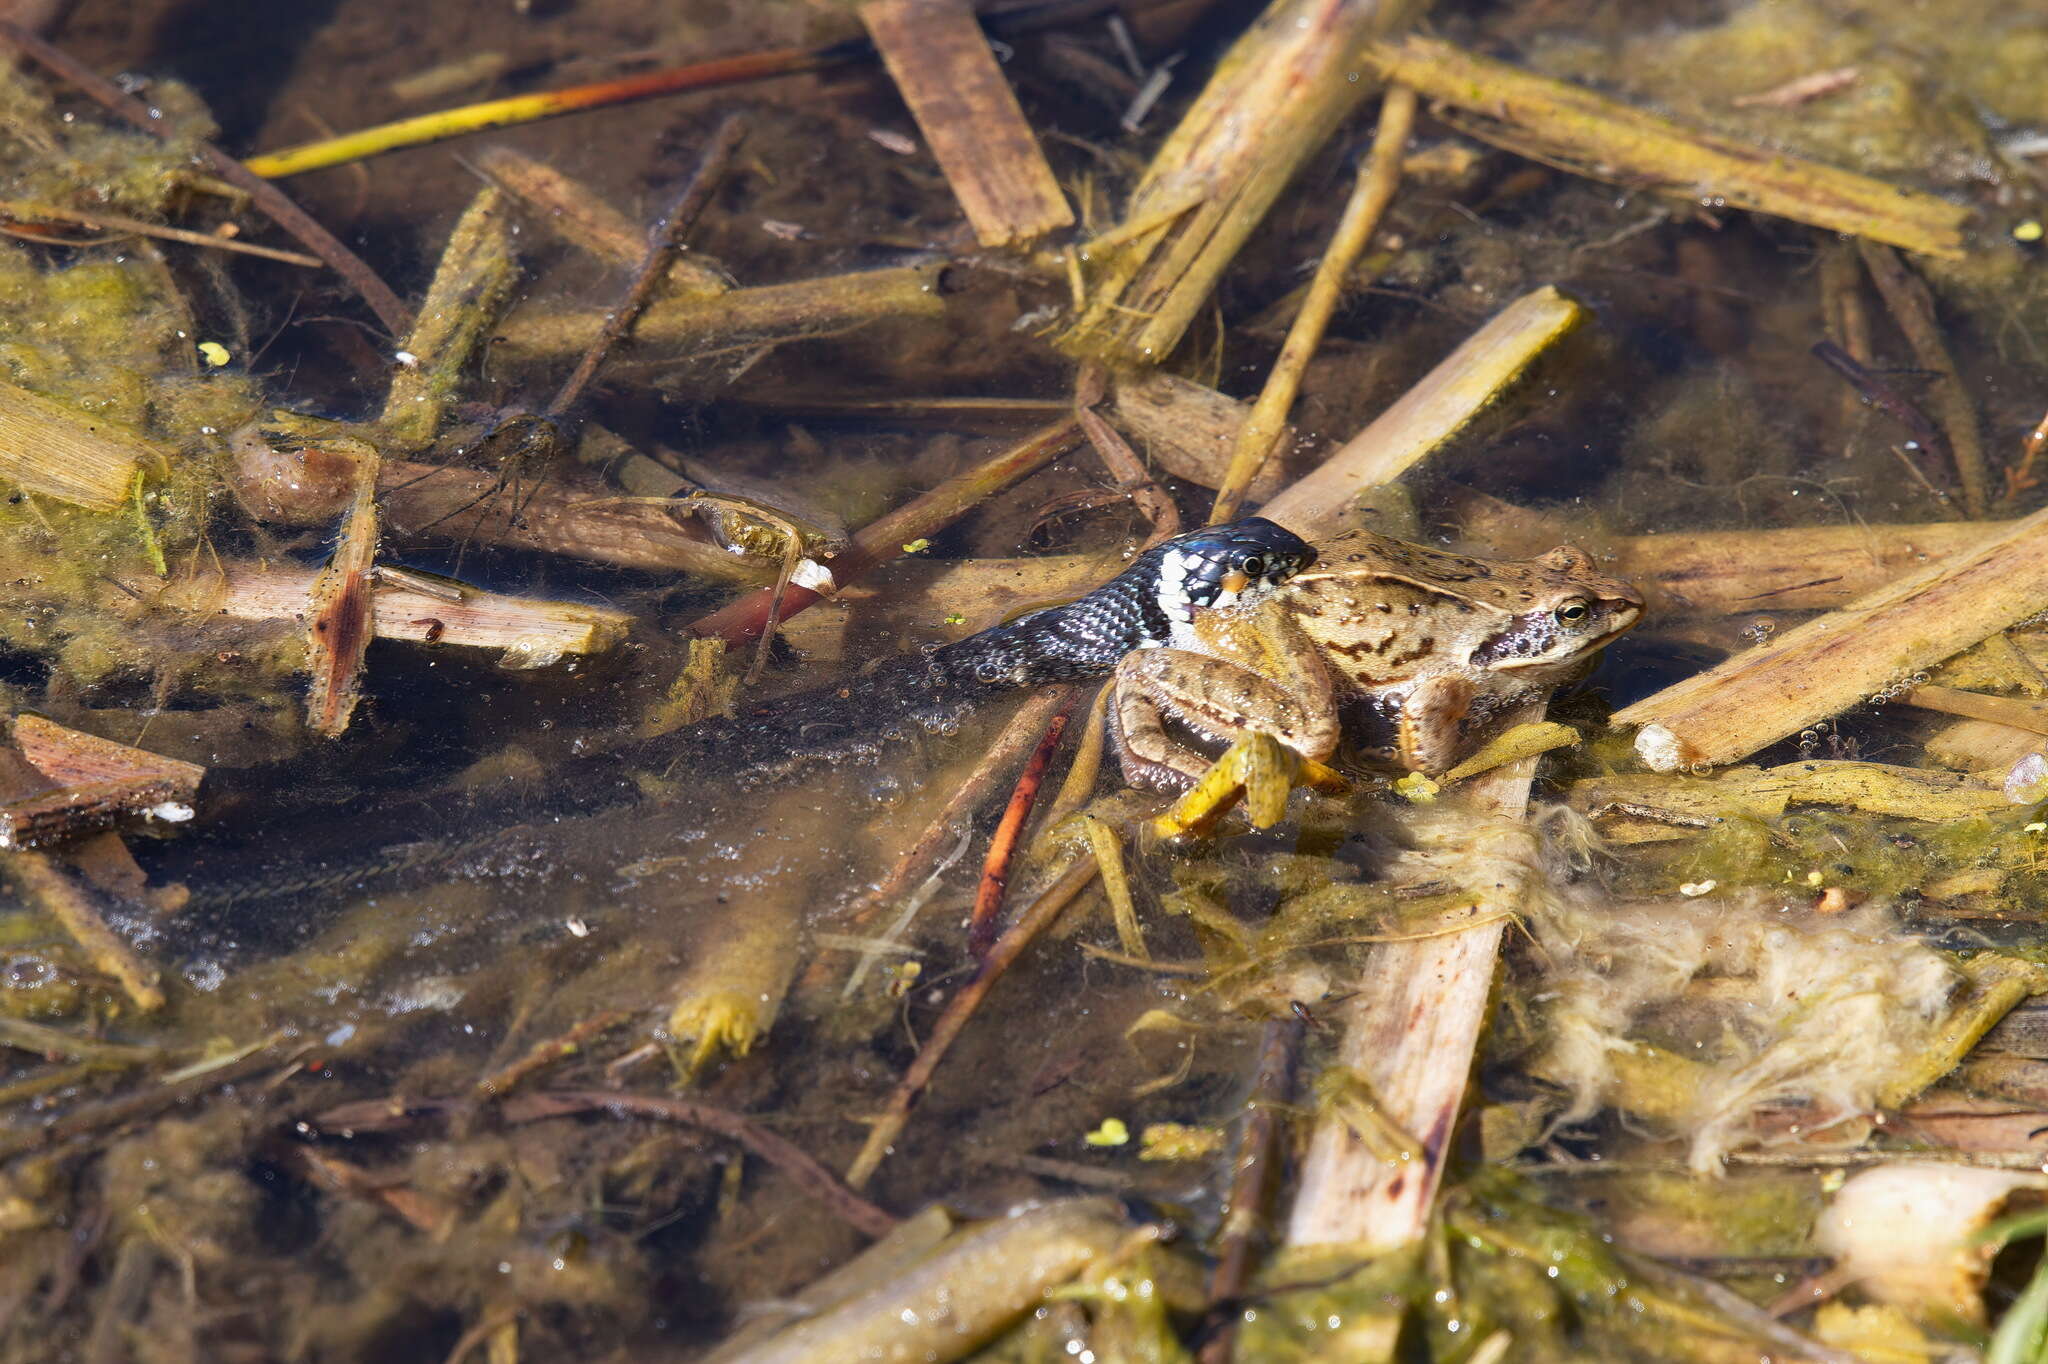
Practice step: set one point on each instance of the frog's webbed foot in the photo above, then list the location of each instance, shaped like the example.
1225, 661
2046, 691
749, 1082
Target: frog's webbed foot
1259, 770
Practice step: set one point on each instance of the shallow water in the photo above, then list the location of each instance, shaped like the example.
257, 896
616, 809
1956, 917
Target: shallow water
316, 1148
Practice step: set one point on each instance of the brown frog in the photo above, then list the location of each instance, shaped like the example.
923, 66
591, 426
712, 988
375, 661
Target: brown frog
1434, 644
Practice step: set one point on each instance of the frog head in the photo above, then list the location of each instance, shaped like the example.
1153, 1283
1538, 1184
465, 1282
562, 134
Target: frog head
1568, 612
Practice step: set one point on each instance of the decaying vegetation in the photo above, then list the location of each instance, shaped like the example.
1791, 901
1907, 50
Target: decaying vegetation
391, 968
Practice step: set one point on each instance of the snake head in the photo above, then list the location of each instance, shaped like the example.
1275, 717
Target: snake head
1220, 565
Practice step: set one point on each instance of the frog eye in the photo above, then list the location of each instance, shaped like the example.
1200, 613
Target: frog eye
1252, 566
1572, 612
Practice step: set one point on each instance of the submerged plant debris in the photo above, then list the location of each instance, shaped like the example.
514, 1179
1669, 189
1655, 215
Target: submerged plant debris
486, 870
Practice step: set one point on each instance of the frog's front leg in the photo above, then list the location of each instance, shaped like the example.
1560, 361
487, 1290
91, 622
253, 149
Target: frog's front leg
1216, 698
1429, 731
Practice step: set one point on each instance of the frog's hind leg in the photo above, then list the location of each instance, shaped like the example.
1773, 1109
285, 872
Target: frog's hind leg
1430, 728
1217, 699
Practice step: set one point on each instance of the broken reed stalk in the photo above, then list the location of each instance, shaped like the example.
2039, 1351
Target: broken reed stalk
471, 283
1279, 92
56, 450
339, 614
1429, 414
700, 325
573, 211
478, 619
1121, 460
740, 621
1728, 572
1565, 125
97, 783
664, 243
1912, 308
959, 1009
983, 921
1374, 189
2005, 710
1018, 737
1411, 1032
1848, 656
393, 313
546, 1053
1254, 1172
309, 486
46, 886
941, 63
22, 212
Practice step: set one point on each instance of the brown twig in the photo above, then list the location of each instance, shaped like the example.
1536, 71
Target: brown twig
1881, 395
1121, 460
663, 242
1002, 847
1010, 746
884, 539
22, 213
1253, 1171
1912, 308
545, 1053
959, 1009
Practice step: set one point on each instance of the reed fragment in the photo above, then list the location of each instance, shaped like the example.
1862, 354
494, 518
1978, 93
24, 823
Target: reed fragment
1190, 429
338, 622
476, 619
1411, 1031
763, 316
1912, 307
1377, 180
1283, 87
942, 66
575, 213
95, 784
1847, 656
1429, 414
1561, 124
471, 284
46, 886
55, 450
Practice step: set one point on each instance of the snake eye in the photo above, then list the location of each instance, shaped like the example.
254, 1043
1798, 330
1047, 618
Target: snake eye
1572, 612
1252, 566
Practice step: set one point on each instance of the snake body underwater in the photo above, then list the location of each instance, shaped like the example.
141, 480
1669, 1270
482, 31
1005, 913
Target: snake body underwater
1148, 605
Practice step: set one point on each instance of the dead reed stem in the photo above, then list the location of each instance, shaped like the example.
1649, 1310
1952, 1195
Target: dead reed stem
1273, 99
885, 538
1427, 415
1561, 124
942, 66
1848, 656
1411, 1032
1378, 179
1912, 308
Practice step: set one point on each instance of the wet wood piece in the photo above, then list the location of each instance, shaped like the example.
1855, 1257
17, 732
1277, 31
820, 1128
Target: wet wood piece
1411, 1032
1273, 99
1911, 305
1848, 656
95, 784
477, 619
1562, 124
1727, 572
943, 68
1190, 429
338, 615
